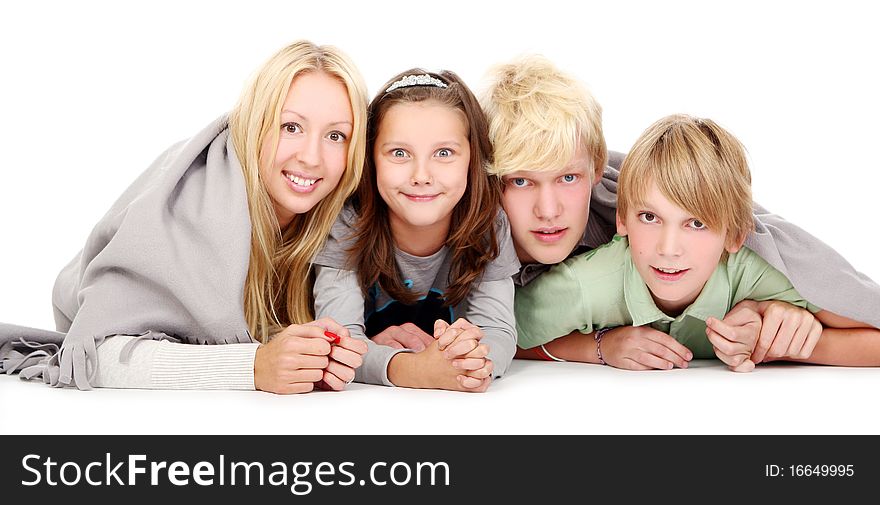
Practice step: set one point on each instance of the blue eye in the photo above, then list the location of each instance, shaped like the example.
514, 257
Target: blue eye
518, 182
569, 178
398, 153
444, 152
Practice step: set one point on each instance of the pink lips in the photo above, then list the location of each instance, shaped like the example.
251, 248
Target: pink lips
670, 277
549, 235
421, 198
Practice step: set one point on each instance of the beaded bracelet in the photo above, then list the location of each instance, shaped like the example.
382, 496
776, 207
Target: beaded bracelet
598, 336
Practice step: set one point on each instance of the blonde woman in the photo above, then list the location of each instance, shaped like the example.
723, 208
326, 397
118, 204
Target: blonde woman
212, 245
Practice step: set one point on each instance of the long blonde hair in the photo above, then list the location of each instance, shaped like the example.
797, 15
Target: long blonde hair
278, 286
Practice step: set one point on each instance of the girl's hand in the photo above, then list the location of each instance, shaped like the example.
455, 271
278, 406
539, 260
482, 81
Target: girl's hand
430, 369
458, 338
643, 348
405, 336
293, 360
476, 367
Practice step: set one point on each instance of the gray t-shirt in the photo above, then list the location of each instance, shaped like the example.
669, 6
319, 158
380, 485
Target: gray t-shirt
489, 305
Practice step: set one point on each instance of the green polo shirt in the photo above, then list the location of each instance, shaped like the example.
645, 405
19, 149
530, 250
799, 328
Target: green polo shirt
602, 288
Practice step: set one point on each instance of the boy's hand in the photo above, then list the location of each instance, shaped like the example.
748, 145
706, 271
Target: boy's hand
643, 348
405, 336
734, 337
787, 332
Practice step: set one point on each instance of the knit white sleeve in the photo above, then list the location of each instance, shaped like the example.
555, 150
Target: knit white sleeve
155, 364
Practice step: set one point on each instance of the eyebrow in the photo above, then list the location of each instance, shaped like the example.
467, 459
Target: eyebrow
385, 145
450, 143
574, 170
304, 118
648, 209
643, 207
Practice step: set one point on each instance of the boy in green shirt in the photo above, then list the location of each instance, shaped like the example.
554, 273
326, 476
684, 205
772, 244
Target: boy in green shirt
684, 211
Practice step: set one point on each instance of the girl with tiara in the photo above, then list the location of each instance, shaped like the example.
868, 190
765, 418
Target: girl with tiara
420, 261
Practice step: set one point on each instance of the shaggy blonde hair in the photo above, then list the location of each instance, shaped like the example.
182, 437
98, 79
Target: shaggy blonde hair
278, 285
698, 166
539, 116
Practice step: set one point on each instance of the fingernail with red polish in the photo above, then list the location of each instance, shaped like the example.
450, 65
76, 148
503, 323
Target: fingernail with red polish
335, 338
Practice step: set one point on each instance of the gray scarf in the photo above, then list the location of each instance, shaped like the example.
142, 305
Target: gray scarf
167, 261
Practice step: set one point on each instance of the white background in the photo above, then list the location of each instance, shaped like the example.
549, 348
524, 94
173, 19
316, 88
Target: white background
92, 91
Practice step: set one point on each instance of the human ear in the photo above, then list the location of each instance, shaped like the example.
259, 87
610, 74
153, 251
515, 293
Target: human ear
736, 244
621, 227
597, 177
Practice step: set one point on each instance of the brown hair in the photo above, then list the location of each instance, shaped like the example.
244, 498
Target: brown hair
472, 240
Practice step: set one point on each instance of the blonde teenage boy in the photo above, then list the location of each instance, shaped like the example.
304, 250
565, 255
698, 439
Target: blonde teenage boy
547, 132
684, 212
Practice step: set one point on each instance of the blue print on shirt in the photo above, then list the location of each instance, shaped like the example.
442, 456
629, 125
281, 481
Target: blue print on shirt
423, 313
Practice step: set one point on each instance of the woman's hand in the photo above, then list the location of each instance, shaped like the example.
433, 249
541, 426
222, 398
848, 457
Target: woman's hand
293, 360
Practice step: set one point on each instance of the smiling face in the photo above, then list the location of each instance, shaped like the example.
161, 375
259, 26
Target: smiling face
312, 151
673, 250
421, 154
548, 211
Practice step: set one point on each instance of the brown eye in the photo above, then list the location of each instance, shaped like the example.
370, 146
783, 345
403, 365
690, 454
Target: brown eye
291, 128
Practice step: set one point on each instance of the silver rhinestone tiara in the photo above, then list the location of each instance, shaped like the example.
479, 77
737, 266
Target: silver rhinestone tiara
416, 80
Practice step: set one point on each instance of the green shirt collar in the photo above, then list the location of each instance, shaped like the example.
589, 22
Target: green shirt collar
713, 300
